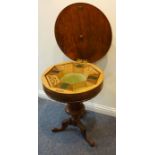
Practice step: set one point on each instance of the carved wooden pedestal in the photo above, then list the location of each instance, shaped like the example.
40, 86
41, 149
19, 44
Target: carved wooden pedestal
73, 94
76, 110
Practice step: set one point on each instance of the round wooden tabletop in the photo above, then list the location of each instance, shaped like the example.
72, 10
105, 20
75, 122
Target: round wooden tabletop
83, 32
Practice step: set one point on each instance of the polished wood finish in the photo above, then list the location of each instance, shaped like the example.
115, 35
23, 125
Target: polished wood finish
80, 106
74, 106
52, 79
76, 110
83, 32
61, 97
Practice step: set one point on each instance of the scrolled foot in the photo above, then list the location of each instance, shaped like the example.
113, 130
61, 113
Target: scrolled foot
56, 129
84, 134
64, 125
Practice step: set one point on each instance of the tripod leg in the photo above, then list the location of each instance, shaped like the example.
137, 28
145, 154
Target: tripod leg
64, 125
84, 133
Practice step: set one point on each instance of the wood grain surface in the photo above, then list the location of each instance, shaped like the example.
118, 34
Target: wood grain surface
83, 32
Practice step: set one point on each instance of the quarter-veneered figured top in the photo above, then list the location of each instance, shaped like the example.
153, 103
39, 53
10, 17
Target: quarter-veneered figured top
83, 32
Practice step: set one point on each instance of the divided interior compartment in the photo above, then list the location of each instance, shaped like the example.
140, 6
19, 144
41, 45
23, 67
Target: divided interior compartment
72, 76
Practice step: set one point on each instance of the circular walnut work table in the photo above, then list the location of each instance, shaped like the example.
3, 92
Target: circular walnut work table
82, 32
73, 83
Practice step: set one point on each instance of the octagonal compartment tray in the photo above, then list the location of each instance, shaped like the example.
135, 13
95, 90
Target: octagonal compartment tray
72, 77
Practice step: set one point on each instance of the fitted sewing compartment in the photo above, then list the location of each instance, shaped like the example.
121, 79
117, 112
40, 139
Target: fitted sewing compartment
72, 77
82, 32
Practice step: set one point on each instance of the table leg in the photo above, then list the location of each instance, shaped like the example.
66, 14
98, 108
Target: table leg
64, 125
84, 134
76, 110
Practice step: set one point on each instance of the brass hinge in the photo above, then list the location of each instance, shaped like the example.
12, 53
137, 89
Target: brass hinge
81, 61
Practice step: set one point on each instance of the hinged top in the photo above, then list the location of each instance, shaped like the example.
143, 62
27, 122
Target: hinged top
83, 32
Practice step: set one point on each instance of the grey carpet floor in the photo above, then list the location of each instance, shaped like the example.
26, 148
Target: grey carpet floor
100, 127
